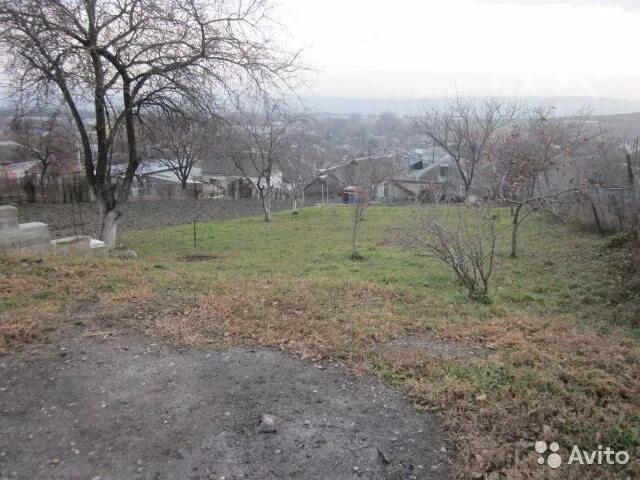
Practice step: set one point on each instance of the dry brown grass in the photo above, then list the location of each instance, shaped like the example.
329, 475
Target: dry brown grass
543, 378
309, 318
37, 289
546, 380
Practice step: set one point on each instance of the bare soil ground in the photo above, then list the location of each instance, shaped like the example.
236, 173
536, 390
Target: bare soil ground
139, 215
84, 405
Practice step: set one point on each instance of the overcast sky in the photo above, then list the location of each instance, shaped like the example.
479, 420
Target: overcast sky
416, 48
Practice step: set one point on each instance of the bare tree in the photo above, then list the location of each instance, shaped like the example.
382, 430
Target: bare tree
632, 161
256, 139
464, 131
48, 138
298, 168
533, 162
122, 56
181, 140
363, 194
367, 173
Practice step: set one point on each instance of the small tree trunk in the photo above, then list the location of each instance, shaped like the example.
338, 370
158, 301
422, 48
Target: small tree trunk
354, 246
43, 190
596, 217
514, 231
266, 207
295, 206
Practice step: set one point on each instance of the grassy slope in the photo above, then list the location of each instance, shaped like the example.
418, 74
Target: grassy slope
558, 272
563, 362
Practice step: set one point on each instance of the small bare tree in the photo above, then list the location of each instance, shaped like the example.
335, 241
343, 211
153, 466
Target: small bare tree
47, 139
632, 157
532, 164
467, 243
367, 173
256, 140
180, 140
363, 190
298, 168
464, 131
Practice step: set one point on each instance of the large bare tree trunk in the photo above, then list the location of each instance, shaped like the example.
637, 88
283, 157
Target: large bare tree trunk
108, 226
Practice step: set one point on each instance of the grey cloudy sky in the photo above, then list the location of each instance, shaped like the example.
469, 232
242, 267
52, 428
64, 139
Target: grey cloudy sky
630, 4
414, 48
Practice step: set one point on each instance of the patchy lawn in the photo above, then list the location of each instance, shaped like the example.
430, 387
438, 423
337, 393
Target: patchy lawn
553, 357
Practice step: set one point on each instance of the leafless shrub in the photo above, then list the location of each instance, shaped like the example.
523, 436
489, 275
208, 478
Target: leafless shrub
466, 242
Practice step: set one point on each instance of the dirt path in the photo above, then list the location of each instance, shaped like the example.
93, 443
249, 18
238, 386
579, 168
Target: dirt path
126, 408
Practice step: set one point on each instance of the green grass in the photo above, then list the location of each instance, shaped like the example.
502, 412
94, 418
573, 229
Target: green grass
559, 271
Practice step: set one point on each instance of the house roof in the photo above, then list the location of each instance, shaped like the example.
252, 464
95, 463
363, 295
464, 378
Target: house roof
13, 152
227, 167
16, 170
57, 166
157, 166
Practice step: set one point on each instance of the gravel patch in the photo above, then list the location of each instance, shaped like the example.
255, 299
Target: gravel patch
125, 407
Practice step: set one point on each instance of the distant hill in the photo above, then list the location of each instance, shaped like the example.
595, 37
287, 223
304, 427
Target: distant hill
626, 125
409, 106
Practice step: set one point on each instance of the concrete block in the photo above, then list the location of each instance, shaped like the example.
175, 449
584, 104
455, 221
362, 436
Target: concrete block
34, 234
8, 217
9, 238
76, 245
98, 248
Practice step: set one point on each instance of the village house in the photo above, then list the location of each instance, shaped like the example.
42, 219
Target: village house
156, 180
397, 177
14, 164
227, 180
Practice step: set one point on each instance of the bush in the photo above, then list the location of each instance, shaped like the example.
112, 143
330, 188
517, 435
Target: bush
468, 247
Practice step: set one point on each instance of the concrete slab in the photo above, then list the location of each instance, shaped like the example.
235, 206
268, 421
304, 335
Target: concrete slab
8, 217
75, 245
9, 237
34, 234
98, 248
